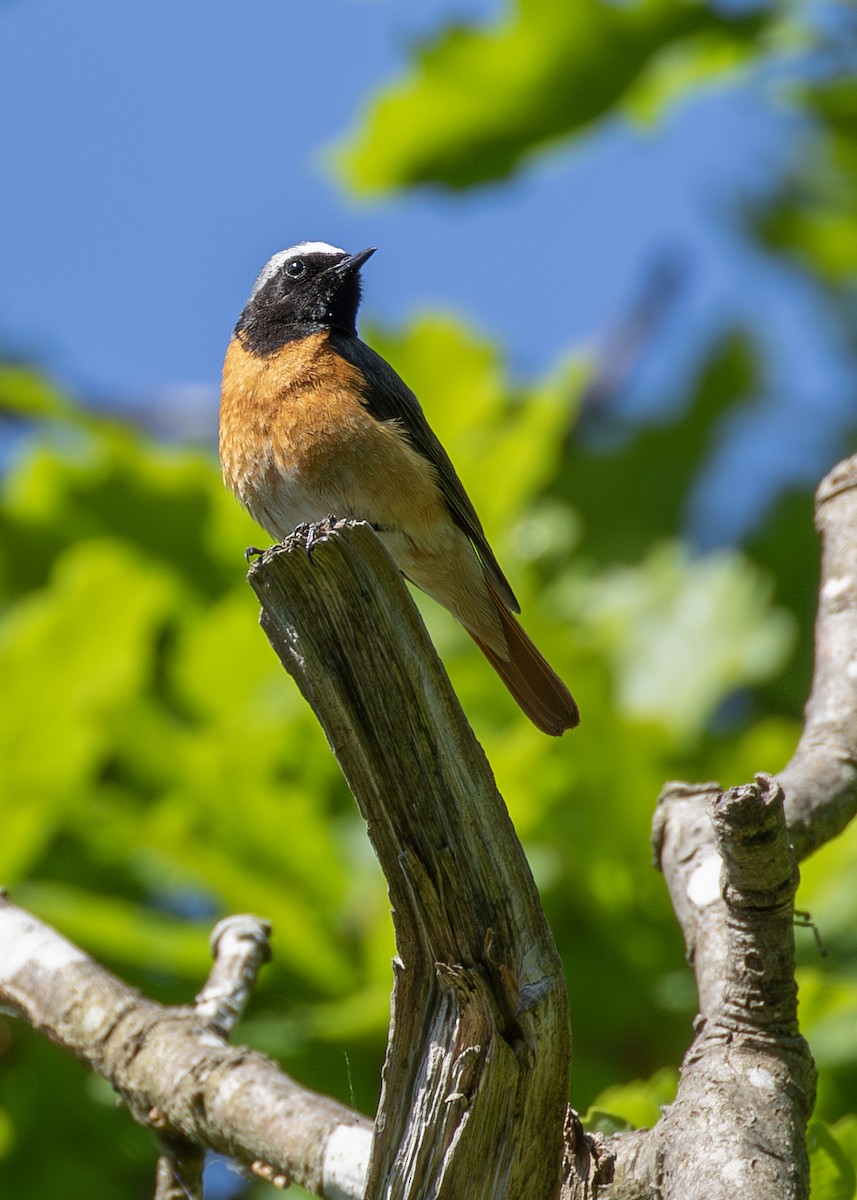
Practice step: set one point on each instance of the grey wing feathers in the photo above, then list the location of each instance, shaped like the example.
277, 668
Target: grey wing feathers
388, 398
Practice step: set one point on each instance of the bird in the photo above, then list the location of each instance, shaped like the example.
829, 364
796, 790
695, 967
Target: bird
314, 423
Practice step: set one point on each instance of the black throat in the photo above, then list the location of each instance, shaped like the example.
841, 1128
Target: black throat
271, 319
262, 335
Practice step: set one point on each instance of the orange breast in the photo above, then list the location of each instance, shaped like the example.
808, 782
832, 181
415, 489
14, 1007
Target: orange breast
296, 443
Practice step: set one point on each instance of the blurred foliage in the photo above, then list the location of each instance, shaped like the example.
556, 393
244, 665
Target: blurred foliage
815, 217
158, 769
634, 1105
662, 458
833, 1159
484, 99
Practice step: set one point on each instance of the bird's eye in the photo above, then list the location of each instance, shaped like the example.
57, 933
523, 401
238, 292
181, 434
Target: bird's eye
295, 268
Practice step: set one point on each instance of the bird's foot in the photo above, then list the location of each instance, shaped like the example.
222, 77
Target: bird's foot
313, 532
252, 552
318, 531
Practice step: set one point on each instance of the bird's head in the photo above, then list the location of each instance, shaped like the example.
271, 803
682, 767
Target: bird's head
310, 286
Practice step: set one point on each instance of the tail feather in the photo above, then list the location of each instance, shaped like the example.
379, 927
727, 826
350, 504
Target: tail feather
531, 680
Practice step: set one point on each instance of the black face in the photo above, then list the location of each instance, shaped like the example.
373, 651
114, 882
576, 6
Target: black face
299, 293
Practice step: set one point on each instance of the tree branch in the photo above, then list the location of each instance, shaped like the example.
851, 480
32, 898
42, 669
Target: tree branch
176, 1074
820, 782
476, 1073
239, 946
748, 1079
738, 1124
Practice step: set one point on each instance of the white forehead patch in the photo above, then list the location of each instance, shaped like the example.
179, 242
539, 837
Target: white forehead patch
274, 263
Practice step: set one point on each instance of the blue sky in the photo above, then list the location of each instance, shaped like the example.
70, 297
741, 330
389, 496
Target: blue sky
155, 155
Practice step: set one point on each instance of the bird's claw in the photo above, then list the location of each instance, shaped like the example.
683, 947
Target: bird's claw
312, 533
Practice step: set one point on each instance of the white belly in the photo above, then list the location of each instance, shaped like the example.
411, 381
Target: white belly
289, 503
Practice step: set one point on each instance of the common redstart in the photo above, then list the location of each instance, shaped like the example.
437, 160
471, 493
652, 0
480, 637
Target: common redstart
313, 422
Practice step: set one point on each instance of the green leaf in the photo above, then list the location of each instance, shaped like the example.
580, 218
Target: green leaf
480, 100
845, 1132
634, 1105
103, 481
832, 1175
682, 68
26, 393
828, 1001
681, 633
787, 547
70, 656
813, 219
7, 1133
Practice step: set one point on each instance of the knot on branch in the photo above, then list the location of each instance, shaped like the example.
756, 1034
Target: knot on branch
239, 946
732, 875
759, 880
841, 478
759, 868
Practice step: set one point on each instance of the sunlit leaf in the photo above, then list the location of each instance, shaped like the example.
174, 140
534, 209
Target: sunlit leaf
635, 1105
832, 1175
813, 219
25, 393
480, 100
682, 633
681, 68
70, 656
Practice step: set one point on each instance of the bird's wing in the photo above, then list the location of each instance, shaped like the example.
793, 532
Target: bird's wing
388, 398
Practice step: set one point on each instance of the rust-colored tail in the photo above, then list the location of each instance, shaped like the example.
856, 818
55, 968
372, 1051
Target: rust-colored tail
532, 681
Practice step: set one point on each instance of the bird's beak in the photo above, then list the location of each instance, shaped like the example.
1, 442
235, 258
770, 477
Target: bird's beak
353, 262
